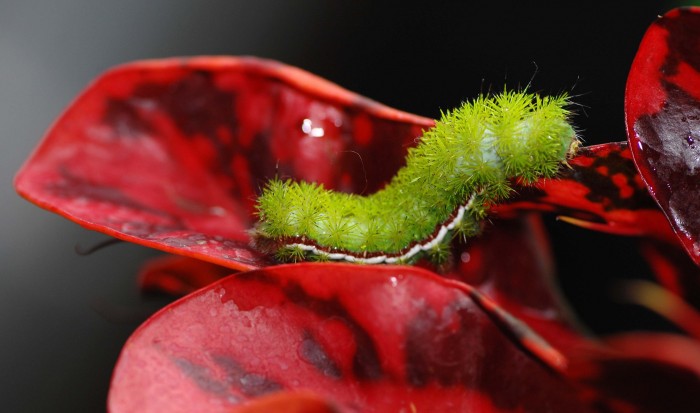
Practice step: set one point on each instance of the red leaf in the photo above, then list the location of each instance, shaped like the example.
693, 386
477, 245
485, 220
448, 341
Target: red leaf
287, 402
524, 284
601, 190
177, 275
370, 339
662, 105
171, 154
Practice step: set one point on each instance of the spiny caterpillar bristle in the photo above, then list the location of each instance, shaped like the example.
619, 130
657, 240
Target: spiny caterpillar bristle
461, 166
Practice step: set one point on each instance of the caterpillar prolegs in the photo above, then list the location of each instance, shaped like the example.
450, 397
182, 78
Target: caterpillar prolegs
460, 167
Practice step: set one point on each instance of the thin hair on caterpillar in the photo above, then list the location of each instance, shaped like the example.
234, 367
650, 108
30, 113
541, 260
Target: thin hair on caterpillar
463, 165
364, 170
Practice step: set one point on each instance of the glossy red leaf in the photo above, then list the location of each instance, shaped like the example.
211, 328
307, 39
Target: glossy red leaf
662, 105
172, 153
370, 339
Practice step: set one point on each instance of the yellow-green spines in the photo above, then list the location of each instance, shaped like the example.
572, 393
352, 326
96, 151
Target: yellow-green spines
472, 152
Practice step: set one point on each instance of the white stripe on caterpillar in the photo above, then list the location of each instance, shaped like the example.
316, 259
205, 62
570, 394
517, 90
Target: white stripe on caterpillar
430, 243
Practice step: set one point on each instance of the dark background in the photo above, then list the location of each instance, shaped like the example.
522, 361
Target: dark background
64, 317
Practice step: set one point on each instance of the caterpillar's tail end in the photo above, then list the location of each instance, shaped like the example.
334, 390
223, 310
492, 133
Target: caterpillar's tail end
278, 249
262, 242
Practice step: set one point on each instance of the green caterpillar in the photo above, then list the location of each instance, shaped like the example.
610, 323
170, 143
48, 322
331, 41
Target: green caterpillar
462, 165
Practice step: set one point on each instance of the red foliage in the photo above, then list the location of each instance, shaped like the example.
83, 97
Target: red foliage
372, 339
600, 190
662, 106
172, 154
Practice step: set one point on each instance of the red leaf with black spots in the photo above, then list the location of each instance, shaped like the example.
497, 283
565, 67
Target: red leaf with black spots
171, 154
369, 339
600, 190
662, 105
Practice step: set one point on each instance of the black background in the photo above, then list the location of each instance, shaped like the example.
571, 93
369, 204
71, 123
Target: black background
63, 318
